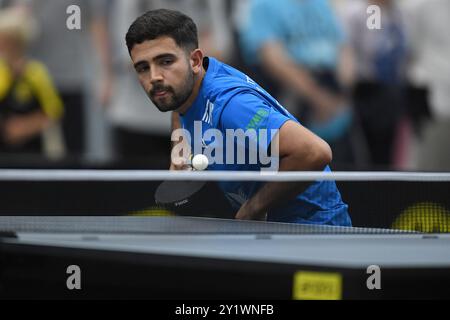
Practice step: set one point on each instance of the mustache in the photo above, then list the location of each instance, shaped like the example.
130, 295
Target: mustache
159, 87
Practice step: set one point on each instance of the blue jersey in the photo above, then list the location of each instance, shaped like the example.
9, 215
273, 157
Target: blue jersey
230, 100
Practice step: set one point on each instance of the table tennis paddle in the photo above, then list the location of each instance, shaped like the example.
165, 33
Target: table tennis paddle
177, 194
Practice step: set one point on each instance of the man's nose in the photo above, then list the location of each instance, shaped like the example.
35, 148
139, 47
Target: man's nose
155, 75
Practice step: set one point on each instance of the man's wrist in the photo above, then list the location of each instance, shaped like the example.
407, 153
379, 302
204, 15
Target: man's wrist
256, 208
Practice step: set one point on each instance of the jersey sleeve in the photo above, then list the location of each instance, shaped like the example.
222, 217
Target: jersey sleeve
46, 93
247, 111
5, 80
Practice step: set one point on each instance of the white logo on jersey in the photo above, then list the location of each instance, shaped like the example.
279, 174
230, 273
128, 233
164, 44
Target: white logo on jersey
207, 116
250, 80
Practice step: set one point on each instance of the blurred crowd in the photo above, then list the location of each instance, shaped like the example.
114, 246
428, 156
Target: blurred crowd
379, 97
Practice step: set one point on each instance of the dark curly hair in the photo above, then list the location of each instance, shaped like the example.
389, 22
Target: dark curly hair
162, 22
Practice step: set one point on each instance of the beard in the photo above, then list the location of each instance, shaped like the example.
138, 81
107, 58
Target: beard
173, 99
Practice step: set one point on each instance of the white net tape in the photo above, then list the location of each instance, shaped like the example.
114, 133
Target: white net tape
149, 175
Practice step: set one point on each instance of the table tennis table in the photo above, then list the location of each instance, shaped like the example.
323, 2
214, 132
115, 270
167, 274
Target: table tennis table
206, 258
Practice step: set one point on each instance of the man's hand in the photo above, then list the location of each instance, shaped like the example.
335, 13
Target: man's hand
17, 130
326, 105
181, 151
180, 155
180, 165
14, 131
249, 212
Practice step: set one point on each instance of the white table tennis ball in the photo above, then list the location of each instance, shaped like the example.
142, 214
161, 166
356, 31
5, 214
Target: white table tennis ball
200, 162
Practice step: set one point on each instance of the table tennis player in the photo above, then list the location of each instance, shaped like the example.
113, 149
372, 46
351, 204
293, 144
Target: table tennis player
178, 77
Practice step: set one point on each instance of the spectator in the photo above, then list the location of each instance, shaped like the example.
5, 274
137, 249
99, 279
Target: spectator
29, 103
300, 46
72, 62
428, 22
380, 57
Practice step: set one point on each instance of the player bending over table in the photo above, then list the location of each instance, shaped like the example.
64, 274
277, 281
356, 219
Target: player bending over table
214, 101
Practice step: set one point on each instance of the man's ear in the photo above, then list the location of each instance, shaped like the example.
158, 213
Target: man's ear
197, 60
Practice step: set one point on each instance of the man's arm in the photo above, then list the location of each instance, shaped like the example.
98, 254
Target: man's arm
99, 33
346, 72
19, 129
299, 150
282, 68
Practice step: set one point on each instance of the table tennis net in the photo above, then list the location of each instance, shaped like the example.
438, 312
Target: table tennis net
114, 201
169, 225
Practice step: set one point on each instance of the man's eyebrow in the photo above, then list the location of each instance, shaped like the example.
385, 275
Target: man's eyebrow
158, 57
140, 63
164, 55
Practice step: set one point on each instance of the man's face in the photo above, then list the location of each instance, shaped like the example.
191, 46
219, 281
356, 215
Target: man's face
164, 71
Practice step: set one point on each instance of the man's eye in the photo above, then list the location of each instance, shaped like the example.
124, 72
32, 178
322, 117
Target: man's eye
166, 62
142, 69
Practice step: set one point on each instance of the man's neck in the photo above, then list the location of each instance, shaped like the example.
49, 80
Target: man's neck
197, 85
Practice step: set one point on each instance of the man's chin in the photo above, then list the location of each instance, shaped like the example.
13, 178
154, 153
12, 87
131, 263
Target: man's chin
165, 108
